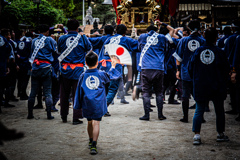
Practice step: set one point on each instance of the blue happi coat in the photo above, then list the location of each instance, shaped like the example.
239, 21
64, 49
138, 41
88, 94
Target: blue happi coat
170, 61
154, 56
76, 56
24, 51
45, 52
221, 42
230, 46
5, 50
14, 47
97, 42
130, 44
185, 49
91, 95
236, 54
209, 69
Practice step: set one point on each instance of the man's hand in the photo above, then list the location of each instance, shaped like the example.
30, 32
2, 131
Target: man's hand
114, 62
8, 71
178, 75
233, 78
17, 68
158, 22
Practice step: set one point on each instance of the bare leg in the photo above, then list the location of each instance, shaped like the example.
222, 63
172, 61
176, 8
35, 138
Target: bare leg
90, 129
96, 129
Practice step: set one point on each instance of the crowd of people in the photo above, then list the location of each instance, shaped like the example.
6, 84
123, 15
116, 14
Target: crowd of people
77, 69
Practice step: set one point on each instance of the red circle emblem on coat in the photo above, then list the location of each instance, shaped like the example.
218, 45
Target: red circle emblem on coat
120, 51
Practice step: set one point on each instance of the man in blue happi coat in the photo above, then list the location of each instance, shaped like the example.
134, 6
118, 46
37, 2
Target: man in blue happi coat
209, 69
185, 49
153, 48
22, 60
72, 48
105, 61
5, 51
222, 41
97, 42
229, 51
43, 48
235, 72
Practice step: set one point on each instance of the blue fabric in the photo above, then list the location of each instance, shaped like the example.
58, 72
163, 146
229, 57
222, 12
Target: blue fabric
55, 65
41, 77
77, 55
5, 50
93, 101
130, 44
112, 90
97, 42
14, 47
209, 79
45, 53
221, 42
187, 89
24, 51
236, 54
229, 45
185, 54
154, 56
138, 55
219, 110
169, 60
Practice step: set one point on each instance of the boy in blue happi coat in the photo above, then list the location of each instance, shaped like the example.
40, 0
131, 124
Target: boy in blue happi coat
91, 96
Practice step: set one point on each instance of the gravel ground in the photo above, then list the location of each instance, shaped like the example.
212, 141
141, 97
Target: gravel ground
122, 136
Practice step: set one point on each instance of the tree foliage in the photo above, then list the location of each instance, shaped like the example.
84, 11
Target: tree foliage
66, 5
51, 12
25, 11
103, 11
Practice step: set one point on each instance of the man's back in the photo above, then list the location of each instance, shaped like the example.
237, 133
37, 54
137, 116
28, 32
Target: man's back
209, 69
5, 50
185, 49
154, 56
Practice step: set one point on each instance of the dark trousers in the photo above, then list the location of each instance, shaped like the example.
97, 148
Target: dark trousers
66, 87
170, 81
112, 90
23, 79
2, 88
12, 78
219, 110
179, 88
237, 92
152, 79
233, 96
41, 77
187, 88
134, 69
7, 89
55, 90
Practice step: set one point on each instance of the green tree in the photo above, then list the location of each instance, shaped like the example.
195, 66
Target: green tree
25, 11
103, 11
67, 6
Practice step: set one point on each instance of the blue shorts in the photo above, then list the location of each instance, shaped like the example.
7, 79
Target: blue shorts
95, 119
